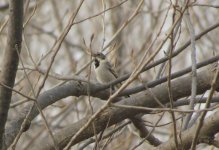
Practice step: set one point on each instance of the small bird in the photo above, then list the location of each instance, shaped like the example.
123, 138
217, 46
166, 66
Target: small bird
105, 74
103, 69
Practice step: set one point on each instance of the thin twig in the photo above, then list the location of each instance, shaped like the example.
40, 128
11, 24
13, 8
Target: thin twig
146, 109
194, 67
170, 94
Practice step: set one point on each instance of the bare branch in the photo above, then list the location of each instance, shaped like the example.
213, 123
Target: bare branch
179, 90
11, 60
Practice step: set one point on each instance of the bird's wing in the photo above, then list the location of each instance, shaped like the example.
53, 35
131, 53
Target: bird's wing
109, 66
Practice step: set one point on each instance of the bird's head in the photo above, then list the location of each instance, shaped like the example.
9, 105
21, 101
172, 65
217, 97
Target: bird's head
98, 57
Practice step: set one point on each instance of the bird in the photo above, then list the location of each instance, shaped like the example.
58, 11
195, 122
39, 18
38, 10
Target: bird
104, 71
104, 75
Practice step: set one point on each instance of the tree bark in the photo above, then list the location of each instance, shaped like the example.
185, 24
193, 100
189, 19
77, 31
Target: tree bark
10, 60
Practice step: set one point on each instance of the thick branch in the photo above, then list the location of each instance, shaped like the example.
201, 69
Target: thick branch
49, 97
10, 60
180, 87
72, 88
209, 129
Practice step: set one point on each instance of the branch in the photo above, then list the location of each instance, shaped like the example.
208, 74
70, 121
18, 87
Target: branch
175, 53
172, 76
180, 87
207, 105
10, 60
209, 129
194, 66
75, 88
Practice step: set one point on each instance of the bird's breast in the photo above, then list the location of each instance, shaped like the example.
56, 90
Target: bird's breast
103, 75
